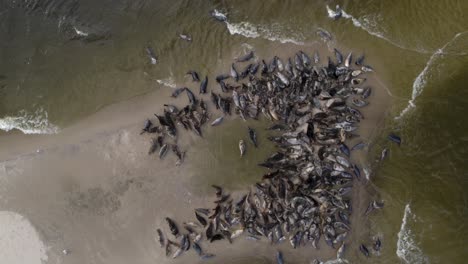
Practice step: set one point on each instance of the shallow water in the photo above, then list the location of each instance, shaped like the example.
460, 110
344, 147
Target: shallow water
223, 165
61, 62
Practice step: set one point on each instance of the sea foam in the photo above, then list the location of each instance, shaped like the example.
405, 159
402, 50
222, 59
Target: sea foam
169, 82
407, 249
273, 32
80, 33
29, 123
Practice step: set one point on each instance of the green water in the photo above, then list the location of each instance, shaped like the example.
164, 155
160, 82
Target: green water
42, 69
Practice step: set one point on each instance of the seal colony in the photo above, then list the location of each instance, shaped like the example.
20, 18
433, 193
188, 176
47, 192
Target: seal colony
305, 196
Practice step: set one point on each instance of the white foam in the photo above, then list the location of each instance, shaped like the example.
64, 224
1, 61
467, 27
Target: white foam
243, 28
407, 249
218, 13
369, 24
29, 123
421, 80
19, 241
80, 33
273, 32
336, 261
367, 172
169, 82
331, 13
249, 30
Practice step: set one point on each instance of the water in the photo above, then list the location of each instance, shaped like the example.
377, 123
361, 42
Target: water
407, 248
62, 63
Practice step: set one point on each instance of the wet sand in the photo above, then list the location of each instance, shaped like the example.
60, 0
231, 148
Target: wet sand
93, 189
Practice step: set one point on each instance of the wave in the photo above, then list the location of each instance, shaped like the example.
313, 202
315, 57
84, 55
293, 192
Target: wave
336, 261
29, 123
80, 33
271, 32
219, 14
407, 250
421, 80
249, 30
169, 82
369, 24
419, 84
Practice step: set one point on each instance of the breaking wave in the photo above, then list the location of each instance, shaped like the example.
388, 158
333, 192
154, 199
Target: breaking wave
80, 33
407, 249
169, 82
29, 123
421, 80
271, 32
369, 24
249, 30
419, 83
